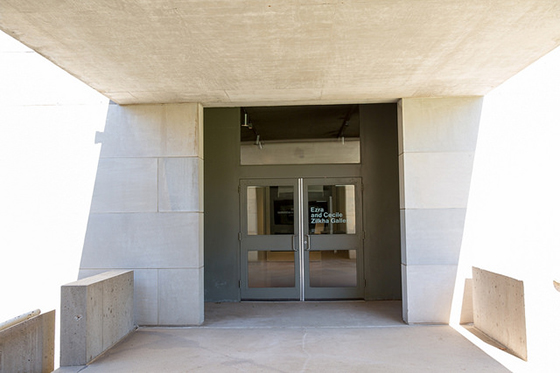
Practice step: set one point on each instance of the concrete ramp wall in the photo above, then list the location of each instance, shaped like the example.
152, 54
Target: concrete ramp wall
499, 310
96, 313
28, 346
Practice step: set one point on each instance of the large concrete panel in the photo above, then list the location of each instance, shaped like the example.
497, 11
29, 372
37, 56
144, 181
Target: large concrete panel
153, 131
144, 240
180, 294
147, 209
180, 184
499, 309
437, 143
429, 291
146, 296
96, 313
432, 236
442, 125
436, 180
244, 53
29, 346
125, 185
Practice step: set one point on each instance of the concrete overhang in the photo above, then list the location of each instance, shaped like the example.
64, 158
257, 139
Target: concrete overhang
256, 52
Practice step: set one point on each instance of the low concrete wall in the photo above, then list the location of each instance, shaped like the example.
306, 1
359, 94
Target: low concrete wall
29, 345
96, 313
499, 310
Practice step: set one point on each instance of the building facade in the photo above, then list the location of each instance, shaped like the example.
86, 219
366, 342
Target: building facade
172, 198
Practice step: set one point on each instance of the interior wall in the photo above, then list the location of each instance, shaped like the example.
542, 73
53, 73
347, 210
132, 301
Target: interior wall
380, 173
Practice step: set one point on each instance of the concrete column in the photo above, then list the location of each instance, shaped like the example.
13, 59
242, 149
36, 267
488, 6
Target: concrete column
437, 141
147, 210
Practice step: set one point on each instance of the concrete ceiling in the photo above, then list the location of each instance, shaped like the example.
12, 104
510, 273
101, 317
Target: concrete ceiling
258, 52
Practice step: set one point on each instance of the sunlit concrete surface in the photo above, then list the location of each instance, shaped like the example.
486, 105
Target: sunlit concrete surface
297, 337
272, 52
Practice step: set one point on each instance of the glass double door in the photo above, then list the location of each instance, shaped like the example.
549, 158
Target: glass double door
301, 239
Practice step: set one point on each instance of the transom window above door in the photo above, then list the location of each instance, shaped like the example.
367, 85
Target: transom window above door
328, 134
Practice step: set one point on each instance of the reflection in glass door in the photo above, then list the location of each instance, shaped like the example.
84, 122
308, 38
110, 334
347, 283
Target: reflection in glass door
301, 239
333, 237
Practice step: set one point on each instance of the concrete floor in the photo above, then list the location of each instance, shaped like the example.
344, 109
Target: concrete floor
296, 337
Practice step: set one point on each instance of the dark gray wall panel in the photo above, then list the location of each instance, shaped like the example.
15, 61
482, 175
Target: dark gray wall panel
221, 204
380, 173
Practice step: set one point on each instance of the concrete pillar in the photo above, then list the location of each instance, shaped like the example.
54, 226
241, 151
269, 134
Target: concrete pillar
147, 210
437, 141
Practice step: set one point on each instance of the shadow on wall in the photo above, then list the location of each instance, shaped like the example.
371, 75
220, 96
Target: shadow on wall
146, 210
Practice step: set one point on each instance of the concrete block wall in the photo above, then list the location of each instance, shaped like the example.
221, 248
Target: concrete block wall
499, 310
437, 142
147, 209
29, 345
96, 313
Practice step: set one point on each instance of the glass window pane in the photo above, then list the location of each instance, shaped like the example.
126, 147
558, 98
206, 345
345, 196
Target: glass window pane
271, 269
332, 209
301, 152
333, 268
323, 134
270, 210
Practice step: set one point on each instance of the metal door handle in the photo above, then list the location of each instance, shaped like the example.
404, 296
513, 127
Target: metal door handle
294, 243
307, 242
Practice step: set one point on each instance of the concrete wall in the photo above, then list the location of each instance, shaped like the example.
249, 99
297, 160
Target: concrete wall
511, 227
499, 310
29, 346
437, 141
147, 209
96, 313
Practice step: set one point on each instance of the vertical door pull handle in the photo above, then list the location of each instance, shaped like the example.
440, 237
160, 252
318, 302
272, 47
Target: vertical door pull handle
307, 242
294, 243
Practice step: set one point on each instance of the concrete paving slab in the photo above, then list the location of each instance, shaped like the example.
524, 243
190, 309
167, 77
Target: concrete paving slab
300, 340
302, 314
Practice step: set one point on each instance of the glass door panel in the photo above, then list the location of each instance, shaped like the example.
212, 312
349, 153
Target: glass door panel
333, 268
271, 269
268, 237
333, 260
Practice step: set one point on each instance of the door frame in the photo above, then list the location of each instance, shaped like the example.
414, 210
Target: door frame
266, 243
299, 242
